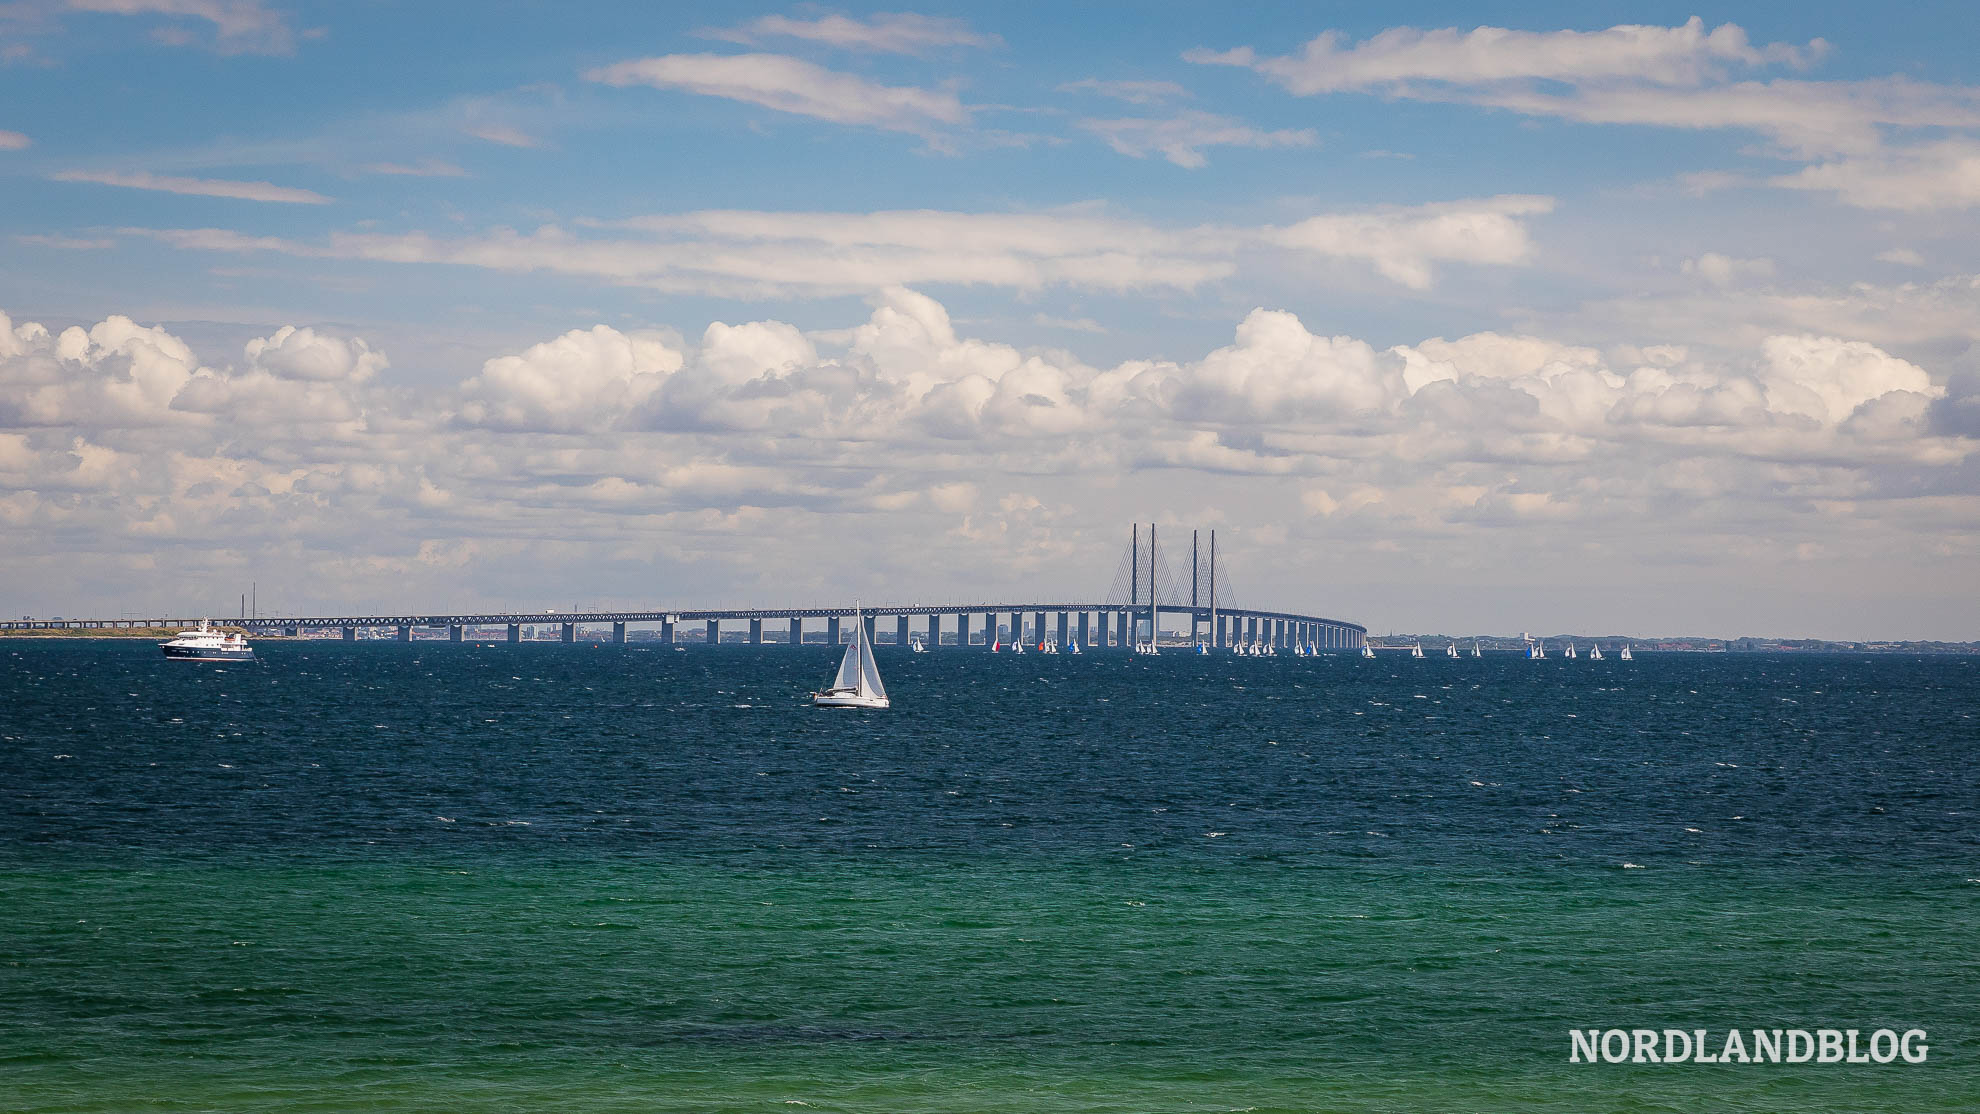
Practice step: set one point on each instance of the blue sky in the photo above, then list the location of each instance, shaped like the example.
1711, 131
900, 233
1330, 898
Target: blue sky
1584, 316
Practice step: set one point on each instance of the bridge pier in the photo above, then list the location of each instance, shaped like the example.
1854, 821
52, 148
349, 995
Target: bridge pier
713, 637
515, 632
570, 632
832, 630
1083, 628
666, 632
454, 632
349, 634
797, 631
756, 632
934, 632
619, 633
405, 634
871, 622
901, 631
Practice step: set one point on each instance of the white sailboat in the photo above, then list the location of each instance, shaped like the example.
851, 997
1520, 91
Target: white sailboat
1595, 654
1073, 646
1367, 651
1416, 651
1625, 655
915, 644
857, 684
1570, 650
1474, 649
1451, 650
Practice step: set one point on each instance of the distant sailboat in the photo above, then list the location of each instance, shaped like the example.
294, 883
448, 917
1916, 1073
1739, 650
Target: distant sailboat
857, 684
1570, 650
1416, 651
1367, 651
915, 644
1625, 655
1595, 654
1073, 646
1451, 650
1202, 648
1474, 649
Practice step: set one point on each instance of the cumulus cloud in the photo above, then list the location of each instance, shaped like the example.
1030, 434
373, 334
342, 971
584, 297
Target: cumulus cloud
609, 450
888, 32
293, 353
585, 380
1827, 379
1181, 139
118, 374
197, 187
792, 85
13, 141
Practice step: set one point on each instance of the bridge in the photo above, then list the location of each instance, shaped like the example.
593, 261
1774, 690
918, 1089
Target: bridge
1132, 614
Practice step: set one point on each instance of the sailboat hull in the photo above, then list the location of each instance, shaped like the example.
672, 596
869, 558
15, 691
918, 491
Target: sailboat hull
847, 700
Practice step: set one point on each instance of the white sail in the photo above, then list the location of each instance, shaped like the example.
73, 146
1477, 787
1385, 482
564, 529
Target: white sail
869, 675
848, 675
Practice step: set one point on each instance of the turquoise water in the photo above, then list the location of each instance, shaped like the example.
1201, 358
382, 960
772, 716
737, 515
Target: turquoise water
575, 878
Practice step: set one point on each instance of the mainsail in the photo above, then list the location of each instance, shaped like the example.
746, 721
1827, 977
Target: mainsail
869, 676
849, 666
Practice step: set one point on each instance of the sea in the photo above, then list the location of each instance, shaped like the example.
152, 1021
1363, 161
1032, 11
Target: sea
595, 878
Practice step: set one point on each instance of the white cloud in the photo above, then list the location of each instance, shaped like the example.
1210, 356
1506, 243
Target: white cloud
792, 85
1808, 118
425, 168
503, 134
197, 187
585, 380
1133, 92
239, 26
1725, 270
293, 353
894, 33
1403, 242
1827, 379
1669, 77
13, 141
1181, 138
1902, 256
1941, 175
743, 253
1687, 54
625, 455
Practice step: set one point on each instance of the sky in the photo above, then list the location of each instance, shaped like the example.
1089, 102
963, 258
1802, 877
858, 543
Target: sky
1579, 317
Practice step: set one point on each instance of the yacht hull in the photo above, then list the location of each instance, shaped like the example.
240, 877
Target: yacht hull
189, 653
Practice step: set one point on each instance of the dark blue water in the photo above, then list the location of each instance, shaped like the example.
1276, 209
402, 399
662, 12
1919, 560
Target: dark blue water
570, 877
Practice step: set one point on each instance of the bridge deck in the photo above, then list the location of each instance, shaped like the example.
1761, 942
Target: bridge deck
689, 615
